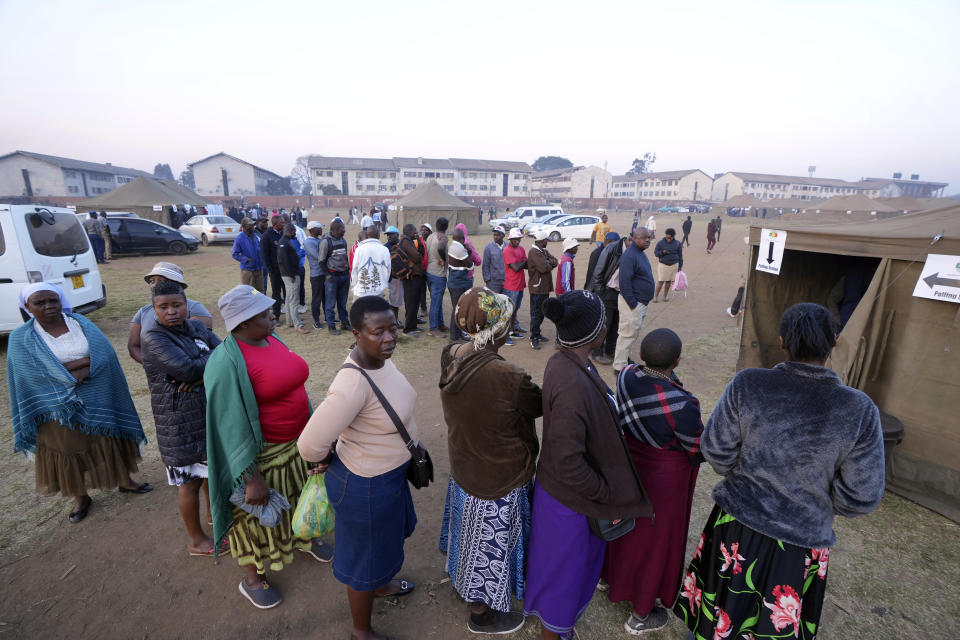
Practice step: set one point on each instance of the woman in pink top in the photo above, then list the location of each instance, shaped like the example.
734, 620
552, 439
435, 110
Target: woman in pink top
365, 460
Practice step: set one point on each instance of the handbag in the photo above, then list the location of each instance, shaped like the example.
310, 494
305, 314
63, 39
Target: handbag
420, 471
608, 530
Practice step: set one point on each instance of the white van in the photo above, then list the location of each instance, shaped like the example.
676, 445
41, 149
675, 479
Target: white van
39, 243
527, 213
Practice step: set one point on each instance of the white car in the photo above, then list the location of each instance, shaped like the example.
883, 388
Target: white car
209, 229
531, 227
525, 214
579, 227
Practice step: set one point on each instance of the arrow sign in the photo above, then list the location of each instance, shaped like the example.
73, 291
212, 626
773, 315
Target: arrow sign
934, 280
772, 243
939, 279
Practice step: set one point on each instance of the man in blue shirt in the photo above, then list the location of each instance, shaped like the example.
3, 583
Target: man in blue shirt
636, 291
246, 251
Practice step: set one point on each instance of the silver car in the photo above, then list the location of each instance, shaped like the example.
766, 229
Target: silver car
209, 229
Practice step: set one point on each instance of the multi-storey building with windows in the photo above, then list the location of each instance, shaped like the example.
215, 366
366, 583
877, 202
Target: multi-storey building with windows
776, 187
573, 182
224, 175
686, 185
24, 173
398, 176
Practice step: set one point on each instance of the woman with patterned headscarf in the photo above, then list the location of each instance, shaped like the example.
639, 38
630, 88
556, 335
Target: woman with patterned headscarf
490, 407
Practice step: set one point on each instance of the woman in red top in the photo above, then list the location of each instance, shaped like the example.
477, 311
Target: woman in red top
256, 408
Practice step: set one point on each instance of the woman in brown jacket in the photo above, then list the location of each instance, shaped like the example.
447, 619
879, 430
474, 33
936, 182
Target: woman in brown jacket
490, 407
585, 471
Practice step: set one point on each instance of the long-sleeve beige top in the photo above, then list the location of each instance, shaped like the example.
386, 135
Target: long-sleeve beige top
351, 415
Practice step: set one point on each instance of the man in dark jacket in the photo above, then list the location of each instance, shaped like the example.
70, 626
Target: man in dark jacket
289, 254
612, 236
540, 266
268, 248
334, 262
669, 254
246, 251
687, 228
636, 291
413, 280
608, 264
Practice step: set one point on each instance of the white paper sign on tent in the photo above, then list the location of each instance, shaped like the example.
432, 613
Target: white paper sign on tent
770, 258
939, 279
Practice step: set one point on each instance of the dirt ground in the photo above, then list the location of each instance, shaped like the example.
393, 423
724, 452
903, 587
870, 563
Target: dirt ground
124, 571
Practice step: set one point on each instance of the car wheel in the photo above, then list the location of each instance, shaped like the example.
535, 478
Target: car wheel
177, 248
204, 240
555, 236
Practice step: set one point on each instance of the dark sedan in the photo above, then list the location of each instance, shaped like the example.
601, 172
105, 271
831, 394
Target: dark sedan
137, 235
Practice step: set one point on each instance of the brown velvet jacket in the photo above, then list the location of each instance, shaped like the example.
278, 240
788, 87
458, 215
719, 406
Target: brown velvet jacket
585, 464
490, 407
539, 265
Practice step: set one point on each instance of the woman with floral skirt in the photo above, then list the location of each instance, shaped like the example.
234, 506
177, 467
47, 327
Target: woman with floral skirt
795, 447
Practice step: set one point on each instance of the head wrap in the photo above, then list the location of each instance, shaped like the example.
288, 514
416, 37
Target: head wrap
427, 225
30, 289
484, 315
579, 316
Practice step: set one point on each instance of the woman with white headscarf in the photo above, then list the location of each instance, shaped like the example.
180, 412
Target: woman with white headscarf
70, 403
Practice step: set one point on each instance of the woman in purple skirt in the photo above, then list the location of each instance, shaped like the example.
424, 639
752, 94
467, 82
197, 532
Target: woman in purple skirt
585, 471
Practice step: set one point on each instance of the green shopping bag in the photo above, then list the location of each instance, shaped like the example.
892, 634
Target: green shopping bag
313, 516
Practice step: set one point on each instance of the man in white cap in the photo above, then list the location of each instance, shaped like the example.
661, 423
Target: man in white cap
515, 281
566, 274
540, 265
145, 317
317, 278
492, 265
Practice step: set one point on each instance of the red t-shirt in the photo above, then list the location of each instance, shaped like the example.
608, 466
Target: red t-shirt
277, 375
514, 280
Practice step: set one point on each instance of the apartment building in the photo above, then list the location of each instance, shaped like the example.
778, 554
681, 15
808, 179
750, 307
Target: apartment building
685, 185
776, 187
400, 175
24, 173
573, 182
224, 175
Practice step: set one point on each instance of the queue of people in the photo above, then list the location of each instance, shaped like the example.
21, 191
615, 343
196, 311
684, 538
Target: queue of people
601, 502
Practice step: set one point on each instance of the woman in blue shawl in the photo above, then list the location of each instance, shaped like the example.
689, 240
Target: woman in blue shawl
70, 403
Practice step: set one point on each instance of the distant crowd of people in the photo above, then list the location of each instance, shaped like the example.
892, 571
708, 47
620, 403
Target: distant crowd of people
601, 501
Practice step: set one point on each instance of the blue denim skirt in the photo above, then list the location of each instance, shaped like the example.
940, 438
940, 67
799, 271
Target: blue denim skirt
373, 518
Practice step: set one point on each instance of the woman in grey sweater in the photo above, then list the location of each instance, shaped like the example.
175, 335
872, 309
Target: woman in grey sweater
795, 447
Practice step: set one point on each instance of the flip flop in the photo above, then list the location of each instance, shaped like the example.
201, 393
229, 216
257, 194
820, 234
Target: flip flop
143, 488
81, 513
224, 547
405, 588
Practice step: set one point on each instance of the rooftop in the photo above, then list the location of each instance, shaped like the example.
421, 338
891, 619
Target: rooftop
333, 162
869, 183
237, 159
82, 165
655, 175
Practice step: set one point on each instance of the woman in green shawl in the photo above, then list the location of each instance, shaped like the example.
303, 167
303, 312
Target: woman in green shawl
256, 408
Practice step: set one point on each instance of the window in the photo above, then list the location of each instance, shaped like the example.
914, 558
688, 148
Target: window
70, 174
73, 189
409, 186
393, 188
516, 188
448, 187
409, 174
463, 187
56, 234
381, 174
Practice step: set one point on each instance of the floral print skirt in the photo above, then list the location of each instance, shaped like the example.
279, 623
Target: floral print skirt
742, 584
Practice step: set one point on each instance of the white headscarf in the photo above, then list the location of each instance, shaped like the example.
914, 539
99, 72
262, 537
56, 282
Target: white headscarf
30, 289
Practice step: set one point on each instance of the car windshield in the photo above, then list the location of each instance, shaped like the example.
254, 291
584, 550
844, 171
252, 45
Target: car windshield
56, 234
219, 220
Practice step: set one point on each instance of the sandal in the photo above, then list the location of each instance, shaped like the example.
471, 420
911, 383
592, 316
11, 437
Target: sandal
81, 513
143, 488
224, 547
405, 588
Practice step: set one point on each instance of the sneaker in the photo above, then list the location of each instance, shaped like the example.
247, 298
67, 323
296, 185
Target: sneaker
601, 359
656, 619
302, 308
603, 585
262, 596
320, 550
495, 622
334, 331
535, 344
509, 342
731, 313
416, 333
318, 325
521, 330
515, 334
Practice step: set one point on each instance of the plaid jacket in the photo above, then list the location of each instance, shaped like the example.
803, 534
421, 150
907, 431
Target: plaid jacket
659, 412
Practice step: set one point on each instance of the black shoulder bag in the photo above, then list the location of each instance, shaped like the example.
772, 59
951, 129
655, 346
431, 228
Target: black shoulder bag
420, 471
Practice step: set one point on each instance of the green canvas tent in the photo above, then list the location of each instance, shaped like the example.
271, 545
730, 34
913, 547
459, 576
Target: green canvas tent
430, 201
903, 351
141, 196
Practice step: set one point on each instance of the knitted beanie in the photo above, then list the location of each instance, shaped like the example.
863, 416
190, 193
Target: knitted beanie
579, 316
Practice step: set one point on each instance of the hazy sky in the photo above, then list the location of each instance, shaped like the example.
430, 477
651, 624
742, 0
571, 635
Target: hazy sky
855, 88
